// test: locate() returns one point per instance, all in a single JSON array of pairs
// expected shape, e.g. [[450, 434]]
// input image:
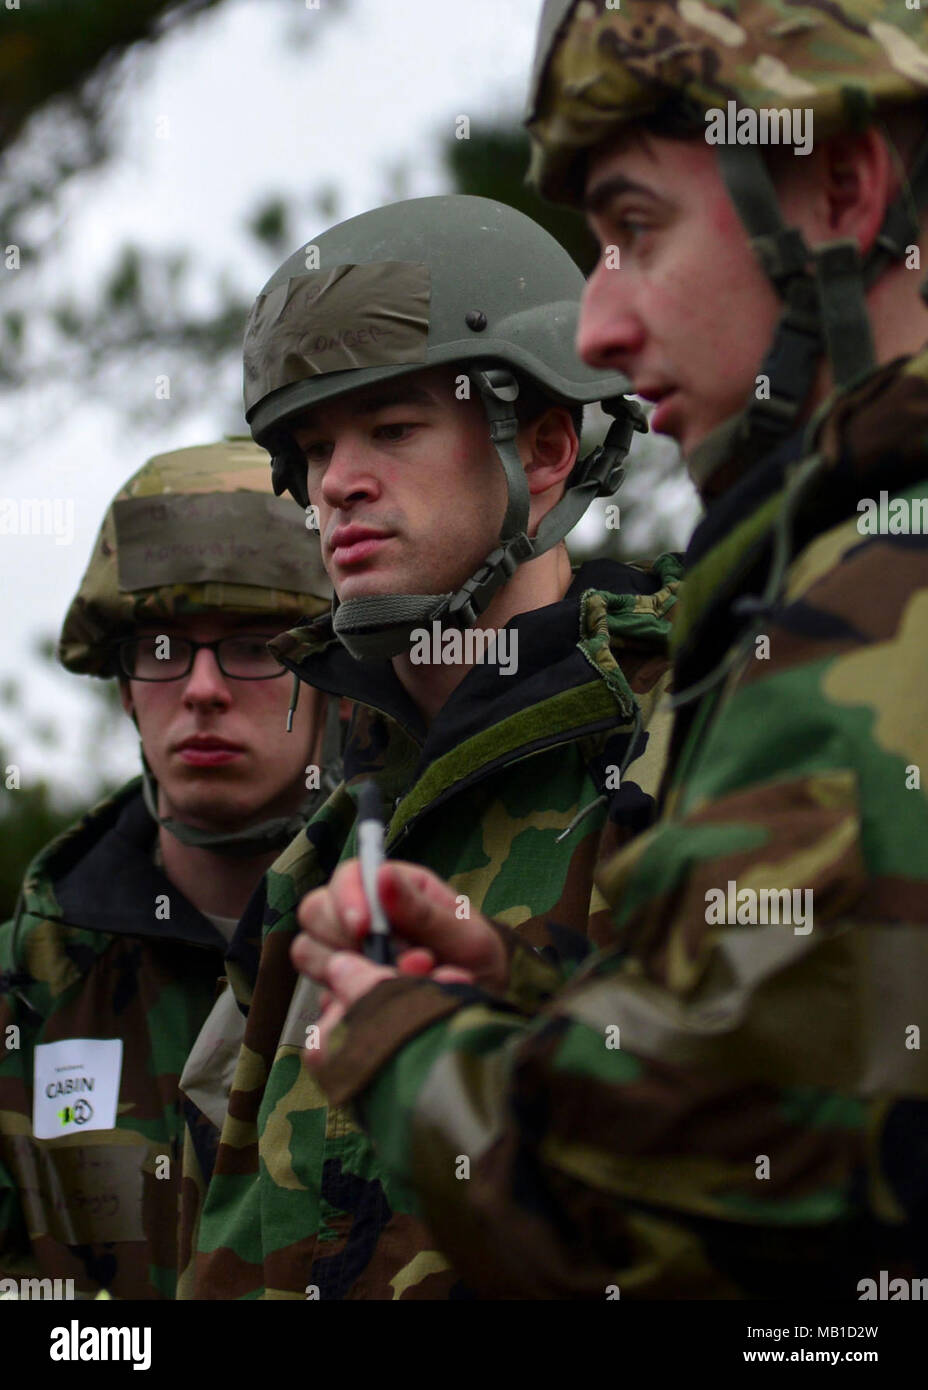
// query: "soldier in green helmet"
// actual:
[[729, 1099], [109, 968], [412, 373]]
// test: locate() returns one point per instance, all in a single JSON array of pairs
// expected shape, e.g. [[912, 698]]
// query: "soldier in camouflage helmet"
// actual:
[[121, 926], [729, 1099], [417, 387]]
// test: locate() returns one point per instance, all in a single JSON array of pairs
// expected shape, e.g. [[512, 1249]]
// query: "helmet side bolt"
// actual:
[[476, 319]]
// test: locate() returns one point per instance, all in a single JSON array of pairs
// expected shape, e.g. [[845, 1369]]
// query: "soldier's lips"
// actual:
[[355, 551], [662, 412], [209, 754]]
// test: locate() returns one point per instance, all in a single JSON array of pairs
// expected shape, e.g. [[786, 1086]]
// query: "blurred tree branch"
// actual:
[[57, 60], [137, 322], [48, 51], [171, 313], [152, 313]]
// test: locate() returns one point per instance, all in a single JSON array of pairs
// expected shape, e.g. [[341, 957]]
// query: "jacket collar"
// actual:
[[99, 876], [568, 682], [314, 653]]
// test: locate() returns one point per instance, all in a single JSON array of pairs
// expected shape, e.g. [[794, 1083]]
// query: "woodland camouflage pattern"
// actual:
[[79, 964], [297, 1199], [604, 68], [633, 1158], [89, 955]]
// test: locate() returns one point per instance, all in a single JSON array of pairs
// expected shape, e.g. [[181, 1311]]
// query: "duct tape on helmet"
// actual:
[[194, 530], [335, 320]]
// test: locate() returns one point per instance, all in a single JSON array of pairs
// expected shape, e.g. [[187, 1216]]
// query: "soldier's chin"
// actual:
[[372, 583], [213, 809]]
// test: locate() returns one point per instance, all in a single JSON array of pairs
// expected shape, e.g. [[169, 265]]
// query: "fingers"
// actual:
[[337, 915], [309, 956], [418, 961], [426, 919], [350, 976], [453, 975], [427, 911]]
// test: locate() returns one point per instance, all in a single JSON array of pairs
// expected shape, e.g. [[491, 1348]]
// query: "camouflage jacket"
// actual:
[[730, 1099], [297, 1204], [93, 954]]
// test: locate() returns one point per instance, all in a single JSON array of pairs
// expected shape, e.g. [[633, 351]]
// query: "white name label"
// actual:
[[76, 1086]]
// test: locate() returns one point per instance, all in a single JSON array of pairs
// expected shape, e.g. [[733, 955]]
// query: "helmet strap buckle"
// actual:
[[499, 391], [475, 594], [604, 466]]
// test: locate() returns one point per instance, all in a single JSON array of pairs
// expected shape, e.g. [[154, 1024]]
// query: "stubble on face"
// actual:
[[687, 314], [437, 496]]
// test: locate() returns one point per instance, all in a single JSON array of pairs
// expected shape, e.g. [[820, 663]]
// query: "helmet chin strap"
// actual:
[[824, 308], [272, 834], [379, 627]]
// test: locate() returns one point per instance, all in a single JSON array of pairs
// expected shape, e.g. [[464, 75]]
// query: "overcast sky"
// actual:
[[261, 97]]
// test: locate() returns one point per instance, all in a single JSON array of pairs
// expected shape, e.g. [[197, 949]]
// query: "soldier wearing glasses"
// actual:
[[123, 921]]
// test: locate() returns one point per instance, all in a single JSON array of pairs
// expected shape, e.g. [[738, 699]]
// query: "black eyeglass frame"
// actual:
[[121, 644]]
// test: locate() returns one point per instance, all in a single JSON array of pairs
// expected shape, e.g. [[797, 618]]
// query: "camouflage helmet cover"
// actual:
[[599, 68], [193, 530]]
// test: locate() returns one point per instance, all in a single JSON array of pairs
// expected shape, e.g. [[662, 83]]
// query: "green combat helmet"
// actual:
[[196, 530], [602, 67], [417, 284]]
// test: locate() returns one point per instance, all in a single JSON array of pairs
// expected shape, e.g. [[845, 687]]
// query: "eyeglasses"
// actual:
[[164, 657]]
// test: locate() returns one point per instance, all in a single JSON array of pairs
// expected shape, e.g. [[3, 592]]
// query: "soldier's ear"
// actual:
[[858, 185], [549, 448]]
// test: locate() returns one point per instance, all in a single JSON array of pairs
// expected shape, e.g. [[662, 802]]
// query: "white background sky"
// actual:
[[259, 98]]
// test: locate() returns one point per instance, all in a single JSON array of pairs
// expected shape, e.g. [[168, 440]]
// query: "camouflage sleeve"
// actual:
[[16, 1257], [12, 1226], [730, 1103], [532, 978]]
